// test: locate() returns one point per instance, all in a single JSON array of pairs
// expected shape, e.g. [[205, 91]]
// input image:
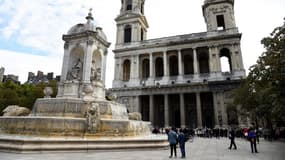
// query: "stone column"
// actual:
[[103, 73], [211, 60], [151, 109], [120, 73], [166, 111], [180, 63], [137, 104], [165, 65], [217, 61], [224, 110], [182, 110], [135, 67], [87, 62], [195, 60], [216, 108], [65, 66], [199, 111], [151, 66]]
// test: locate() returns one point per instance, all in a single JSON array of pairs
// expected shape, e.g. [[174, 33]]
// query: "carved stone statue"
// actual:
[[135, 116], [15, 110], [98, 74], [93, 117], [95, 72], [75, 71]]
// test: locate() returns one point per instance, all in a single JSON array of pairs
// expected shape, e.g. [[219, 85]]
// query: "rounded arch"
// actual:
[[225, 60], [145, 68], [126, 70], [75, 63], [173, 65], [97, 57], [97, 65], [159, 67]]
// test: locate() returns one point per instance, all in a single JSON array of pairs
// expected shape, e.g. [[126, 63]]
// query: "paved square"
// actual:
[[200, 149]]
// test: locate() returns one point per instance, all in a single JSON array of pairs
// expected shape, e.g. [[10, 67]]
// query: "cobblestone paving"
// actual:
[[200, 149]]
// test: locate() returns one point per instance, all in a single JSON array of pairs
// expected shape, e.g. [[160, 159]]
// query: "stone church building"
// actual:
[[178, 80]]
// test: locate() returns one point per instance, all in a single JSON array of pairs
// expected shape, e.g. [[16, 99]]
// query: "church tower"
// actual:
[[219, 15], [131, 22]]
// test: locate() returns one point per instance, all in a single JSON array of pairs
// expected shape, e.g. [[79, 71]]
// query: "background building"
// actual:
[[11, 77], [2, 70], [180, 80], [40, 77]]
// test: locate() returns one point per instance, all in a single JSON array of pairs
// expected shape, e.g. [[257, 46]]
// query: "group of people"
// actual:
[[175, 138], [251, 136], [180, 136]]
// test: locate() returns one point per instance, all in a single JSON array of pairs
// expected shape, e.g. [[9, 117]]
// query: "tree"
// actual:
[[262, 94], [23, 95]]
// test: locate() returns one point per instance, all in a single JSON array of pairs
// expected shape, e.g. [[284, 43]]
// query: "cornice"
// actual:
[[85, 34]]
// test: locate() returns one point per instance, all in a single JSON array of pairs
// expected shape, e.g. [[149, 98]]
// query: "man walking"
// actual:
[[172, 139], [232, 136]]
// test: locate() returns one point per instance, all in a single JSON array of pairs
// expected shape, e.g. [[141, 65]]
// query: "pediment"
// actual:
[[127, 16]]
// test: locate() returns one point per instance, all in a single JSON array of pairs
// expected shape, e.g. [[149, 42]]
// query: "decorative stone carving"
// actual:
[[66, 45], [74, 74], [48, 91], [93, 118], [87, 91], [135, 116], [111, 96], [15, 110]]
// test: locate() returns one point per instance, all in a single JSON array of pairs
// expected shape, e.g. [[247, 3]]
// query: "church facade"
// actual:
[[179, 80]]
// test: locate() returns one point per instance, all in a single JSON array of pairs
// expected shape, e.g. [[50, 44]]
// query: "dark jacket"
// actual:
[[232, 134], [181, 138], [172, 137]]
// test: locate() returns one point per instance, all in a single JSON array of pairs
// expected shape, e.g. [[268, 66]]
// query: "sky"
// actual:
[[31, 30]]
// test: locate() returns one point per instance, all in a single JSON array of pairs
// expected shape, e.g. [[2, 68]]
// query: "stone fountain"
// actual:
[[79, 118]]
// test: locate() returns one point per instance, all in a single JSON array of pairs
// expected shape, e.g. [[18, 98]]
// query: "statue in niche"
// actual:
[[93, 117], [74, 74], [95, 72]]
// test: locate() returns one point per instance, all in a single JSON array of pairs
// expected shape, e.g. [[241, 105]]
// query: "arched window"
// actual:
[[127, 34], [173, 65], [129, 5], [203, 62], [126, 70], [225, 59], [145, 68], [158, 67], [188, 64]]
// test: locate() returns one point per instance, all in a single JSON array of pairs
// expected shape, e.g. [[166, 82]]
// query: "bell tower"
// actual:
[[219, 15], [131, 22]]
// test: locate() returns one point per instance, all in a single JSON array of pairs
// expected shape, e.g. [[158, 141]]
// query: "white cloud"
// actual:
[[21, 63]]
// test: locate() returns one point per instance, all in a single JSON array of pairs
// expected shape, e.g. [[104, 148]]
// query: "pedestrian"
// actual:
[[172, 139], [181, 141], [252, 139], [232, 136]]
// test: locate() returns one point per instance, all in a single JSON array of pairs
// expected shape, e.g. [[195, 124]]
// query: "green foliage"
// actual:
[[262, 93], [22, 95]]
